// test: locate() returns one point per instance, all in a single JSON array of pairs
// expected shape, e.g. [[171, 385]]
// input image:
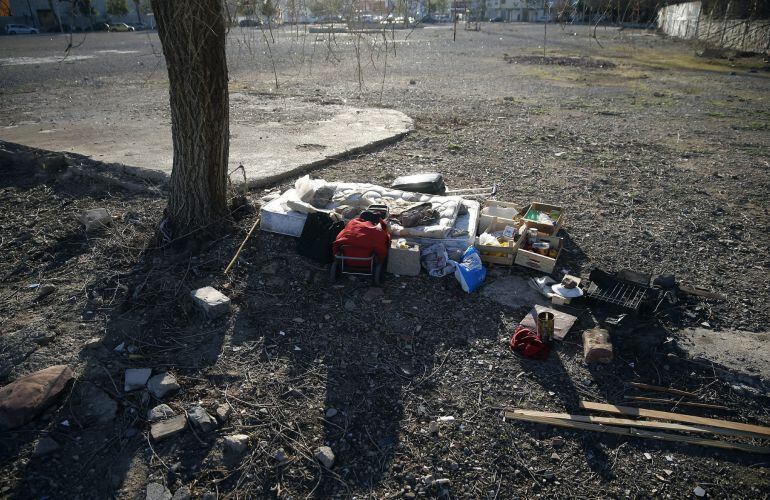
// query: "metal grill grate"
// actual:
[[611, 290]]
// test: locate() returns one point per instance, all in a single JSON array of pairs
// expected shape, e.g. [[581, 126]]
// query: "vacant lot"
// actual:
[[661, 156]]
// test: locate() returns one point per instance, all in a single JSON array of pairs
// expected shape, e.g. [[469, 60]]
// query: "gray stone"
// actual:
[[25, 398], [201, 419], [162, 384], [157, 491], [96, 218], [280, 456], [160, 412], [211, 301], [237, 443], [223, 412], [45, 446], [349, 305], [325, 456], [136, 378], [182, 493], [167, 428], [331, 413]]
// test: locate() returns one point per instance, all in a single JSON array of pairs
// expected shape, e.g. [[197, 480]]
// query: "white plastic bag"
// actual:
[[436, 261]]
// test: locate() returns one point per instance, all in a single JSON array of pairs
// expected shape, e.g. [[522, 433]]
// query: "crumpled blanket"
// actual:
[[528, 344]]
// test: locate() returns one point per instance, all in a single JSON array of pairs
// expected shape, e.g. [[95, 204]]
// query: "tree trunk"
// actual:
[[193, 38]]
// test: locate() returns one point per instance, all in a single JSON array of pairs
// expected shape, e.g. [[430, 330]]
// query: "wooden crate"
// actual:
[[503, 256], [545, 228], [498, 210], [536, 261]]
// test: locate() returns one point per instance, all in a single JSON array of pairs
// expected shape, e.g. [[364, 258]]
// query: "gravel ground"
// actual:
[[661, 159]]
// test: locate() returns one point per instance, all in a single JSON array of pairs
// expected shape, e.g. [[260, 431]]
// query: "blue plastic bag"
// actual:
[[470, 272]]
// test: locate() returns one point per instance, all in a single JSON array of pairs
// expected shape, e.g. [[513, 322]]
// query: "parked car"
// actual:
[[100, 27], [498, 19], [121, 27], [20, 29], [248, 23], [138, 26]]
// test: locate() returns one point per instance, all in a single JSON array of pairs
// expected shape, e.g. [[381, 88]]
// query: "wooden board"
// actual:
[[675, 402], [656, 388], [759, 430], [626, 431], [645, 424], [562, 322]]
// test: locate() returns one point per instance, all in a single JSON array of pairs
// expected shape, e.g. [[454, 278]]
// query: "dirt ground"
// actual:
[[661, 158]]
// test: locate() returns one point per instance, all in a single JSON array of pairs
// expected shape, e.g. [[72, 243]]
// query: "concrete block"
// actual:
[[136, 378], [96, 218], [597, 347], [167, 428], [237, 443], [213, 302]]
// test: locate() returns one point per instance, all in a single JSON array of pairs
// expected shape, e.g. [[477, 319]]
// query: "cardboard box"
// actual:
[[404, 261], [541, 227], [536, 261], [491, 254], [499, 210]]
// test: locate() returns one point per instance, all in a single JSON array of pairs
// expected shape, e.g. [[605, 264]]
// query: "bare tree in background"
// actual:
[[193, 38]]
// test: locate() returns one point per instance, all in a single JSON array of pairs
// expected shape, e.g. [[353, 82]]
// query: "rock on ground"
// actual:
[[223, 412], [25, 398], [168, 428], [160, 412], [157, 491], [95, 405], [45, 446], [182, 493], [201, 419], [162, 384], [325, 456], [96, 218], [237, 443], [211, 301], [136, 378]]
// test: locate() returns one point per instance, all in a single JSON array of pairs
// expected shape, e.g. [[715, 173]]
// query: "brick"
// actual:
[[597, 347], [168, 428]]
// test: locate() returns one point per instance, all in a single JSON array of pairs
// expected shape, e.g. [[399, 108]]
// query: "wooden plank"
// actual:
[[759, 430], [645, 424], [656, 388], [627, 431], [679, 403]]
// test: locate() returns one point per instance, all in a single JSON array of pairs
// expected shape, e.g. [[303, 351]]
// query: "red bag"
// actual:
[[361, 238]]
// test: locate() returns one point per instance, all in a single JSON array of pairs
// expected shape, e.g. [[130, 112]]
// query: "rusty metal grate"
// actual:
[[618, 292]]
